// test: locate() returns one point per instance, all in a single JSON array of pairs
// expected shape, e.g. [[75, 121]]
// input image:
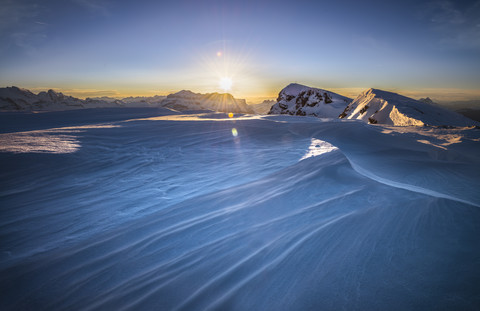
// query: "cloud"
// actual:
[[14, 14], [458, 26], [21, 25], [83, 93], [100, 7], [441, 94], [28, 41]]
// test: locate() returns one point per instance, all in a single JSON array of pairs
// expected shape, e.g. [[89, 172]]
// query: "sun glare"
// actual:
[[225, 84], [224, 70]]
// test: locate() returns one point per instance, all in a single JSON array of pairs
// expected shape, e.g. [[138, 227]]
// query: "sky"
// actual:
[[88, 48]]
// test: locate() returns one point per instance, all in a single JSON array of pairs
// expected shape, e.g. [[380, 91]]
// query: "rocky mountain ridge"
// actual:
[[300, 100]]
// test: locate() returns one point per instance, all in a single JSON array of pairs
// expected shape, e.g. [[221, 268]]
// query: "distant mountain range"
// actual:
[[17, 99]]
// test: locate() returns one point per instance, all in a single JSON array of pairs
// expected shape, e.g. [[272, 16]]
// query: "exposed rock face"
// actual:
[[300, 100], [187, 100], [381, 107]]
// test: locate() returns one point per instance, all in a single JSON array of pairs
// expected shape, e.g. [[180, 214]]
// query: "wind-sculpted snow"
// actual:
[[292, 213]]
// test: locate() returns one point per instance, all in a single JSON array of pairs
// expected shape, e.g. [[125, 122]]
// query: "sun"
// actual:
[[226, 84]]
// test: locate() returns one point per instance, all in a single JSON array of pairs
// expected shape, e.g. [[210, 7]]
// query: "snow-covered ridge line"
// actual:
[[319, 147], [404, 186], [381, 107]]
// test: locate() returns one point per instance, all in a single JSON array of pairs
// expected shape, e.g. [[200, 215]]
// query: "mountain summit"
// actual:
[[301, 100], [382, 107]]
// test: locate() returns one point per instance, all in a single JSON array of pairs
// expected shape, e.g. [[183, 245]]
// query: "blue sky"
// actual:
[[117, 48]]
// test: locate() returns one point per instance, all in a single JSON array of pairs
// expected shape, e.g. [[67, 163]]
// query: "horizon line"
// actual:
[[446, 95]]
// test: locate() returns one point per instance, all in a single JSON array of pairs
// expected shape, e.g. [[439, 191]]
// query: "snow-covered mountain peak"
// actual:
[[183, 93], [14, 91], [52, 95], [295, 89], [380, 93], [383, 107], [297, 99]]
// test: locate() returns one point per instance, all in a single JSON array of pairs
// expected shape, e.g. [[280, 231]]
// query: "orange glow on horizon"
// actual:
[[252, 95]]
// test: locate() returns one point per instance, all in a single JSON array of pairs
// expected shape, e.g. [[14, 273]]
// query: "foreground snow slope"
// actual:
[[205, 212], [301, 100], [382, 107]]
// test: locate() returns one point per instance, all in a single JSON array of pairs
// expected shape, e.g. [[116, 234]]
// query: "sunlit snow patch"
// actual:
[[200, 117], [318, 147], [56, 140], [438, 137]]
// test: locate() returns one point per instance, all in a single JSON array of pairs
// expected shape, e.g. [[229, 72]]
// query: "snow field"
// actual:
[[293, 213]]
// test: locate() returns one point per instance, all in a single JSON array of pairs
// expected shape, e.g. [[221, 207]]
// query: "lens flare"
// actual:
[[234, 132]]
